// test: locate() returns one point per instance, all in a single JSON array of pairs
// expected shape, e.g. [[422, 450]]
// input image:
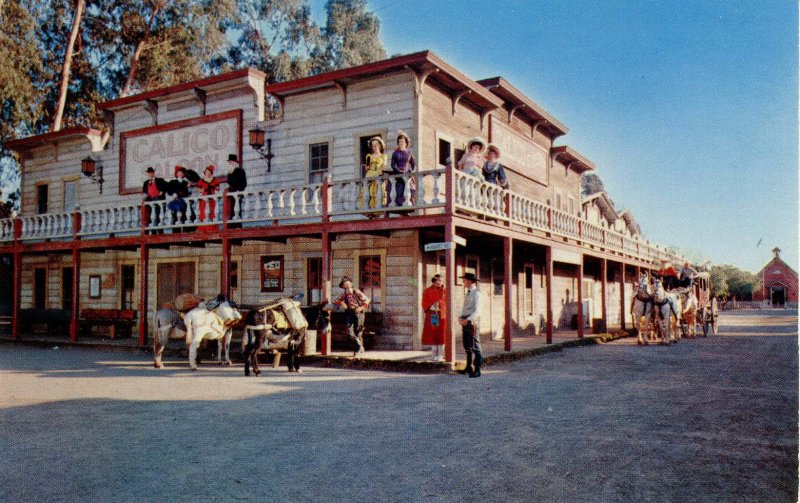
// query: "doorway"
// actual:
[[173, 279], [66, 288], [778, 296], [39, 288], [314, 280]]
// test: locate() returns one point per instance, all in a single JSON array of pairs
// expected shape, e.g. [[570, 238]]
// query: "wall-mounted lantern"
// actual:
[[258, 140], [95, 173]]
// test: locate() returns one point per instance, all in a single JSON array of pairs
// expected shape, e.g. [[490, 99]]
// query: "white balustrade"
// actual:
[[592, 233], [276, 204], [528, 212], [408, 191], [614, 240], [117, 220], [476, 196], [46, 226], [565, 224], [6, 230]]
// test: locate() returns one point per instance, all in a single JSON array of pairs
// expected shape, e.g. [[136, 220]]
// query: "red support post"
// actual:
[[548, 258], [622, 296], [327, 283], [449, 190], [144, 262], [603, 280], [508, 328], [76, 297], [507, 209], [226, 266], [579, 297], [449, 295], [326, 193]]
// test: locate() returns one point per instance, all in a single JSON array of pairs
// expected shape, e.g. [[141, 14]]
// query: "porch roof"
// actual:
[[603, 202], [77, 132], [427, 67], [571, 158], [519, 103]]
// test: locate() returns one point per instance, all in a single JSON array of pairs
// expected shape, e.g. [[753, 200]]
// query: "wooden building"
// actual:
[[304, 221], [777, 282]]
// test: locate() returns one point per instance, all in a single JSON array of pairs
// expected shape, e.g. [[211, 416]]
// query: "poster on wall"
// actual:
[[519, 153], [272, 273], [192, 143]]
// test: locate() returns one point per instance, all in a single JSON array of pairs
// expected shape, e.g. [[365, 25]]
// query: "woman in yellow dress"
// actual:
[[375, 165]]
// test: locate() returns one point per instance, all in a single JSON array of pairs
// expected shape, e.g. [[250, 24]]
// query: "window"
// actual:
[[127, 275], [558, 201], [571, 205], [70, 195], [445, 152], [369, 268], [314, 280], [527, 300], [317, 161], [41, 198], [39, 288]]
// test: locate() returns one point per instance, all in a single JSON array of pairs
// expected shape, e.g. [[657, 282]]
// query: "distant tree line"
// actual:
[[729, 281], [59, 58]]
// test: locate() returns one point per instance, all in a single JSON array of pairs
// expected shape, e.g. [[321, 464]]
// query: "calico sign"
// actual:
[[193, 144]]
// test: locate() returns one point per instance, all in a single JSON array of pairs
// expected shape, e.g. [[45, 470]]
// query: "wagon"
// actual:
[[707, 311]]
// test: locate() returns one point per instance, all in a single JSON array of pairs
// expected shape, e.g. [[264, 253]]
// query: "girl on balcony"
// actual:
[[375, 165], [179, 189], [471, 162], [493, 171], [403, 163], [208, 187]]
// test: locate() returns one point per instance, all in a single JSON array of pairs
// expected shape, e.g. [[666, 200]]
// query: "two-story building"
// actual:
[[304, 221]]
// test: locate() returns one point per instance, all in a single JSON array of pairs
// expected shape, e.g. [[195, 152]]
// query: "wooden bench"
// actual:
[[121, 321], [373, 328], [55, 321]]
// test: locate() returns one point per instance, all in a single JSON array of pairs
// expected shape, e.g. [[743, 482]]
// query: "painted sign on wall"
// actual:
[[272, 273], [193, 144], [519, 153]]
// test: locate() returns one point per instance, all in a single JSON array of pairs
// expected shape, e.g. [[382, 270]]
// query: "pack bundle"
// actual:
[[185, 302]]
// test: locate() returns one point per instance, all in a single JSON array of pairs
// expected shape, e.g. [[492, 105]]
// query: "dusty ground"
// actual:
[[711, 420]]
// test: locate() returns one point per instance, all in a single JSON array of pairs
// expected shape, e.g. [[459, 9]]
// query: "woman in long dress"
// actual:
[[433, 303]]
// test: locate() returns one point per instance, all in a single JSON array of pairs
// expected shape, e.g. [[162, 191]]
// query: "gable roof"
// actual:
[[603, 202], [776, 261]]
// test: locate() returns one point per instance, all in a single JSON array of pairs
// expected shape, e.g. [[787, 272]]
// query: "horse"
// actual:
[[689, 314], [267, 328], [213, 321], [667, 307], [642, 307]]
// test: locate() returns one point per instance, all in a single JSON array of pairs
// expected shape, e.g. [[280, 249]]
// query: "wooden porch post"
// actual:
[[580, 298], [622, 296], [144, 262], [508, 328], [16, 294], [548, 268], [325, 340], [226, 265], [603, 280], [449, 294], [76, 297]]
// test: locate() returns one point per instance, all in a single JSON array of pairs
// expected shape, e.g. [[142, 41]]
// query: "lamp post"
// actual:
[[258, 140], [95, 173]]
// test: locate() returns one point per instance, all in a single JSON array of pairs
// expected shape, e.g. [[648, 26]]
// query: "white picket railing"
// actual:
[[592, 233], [475, 196], [199, 211], [528, 212], [276, 204], [117, 220], [47, 226], [386, 193], [565, 224], [6, 230]]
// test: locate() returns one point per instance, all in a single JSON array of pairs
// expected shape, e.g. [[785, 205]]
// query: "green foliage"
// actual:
[[591, 184], [729, 280]]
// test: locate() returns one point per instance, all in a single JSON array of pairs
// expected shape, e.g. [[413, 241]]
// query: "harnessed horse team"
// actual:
[[673, 313]]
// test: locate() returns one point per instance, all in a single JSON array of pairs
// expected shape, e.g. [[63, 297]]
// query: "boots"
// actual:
[[468, 369], [478, 362]]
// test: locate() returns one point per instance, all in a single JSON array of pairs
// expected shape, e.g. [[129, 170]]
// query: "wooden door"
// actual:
[[66, 288], [39, 288], [314, 280], [174, 278]]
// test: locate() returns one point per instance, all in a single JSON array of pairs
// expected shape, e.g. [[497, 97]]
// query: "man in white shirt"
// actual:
[[470, 323]]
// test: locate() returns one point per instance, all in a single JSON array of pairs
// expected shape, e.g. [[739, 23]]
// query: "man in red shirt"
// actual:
[[154, 189]]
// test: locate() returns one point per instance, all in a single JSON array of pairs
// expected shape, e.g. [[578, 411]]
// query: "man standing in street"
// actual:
[[355, 305], [470, 326]]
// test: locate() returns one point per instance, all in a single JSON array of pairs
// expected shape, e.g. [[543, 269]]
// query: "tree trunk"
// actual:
[[67, 66], [137, 52]]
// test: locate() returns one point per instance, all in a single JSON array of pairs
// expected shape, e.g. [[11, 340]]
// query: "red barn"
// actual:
[[777, 282]]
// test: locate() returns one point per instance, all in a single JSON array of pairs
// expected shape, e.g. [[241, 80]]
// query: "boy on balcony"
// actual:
[[179, 189]]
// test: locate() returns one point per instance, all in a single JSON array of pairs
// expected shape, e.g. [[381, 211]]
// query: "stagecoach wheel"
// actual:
[[704, 322]]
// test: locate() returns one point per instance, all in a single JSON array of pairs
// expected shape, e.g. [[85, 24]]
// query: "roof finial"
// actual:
[[777, 252]]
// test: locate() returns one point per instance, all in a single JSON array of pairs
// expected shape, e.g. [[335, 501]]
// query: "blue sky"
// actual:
[[689, 109]]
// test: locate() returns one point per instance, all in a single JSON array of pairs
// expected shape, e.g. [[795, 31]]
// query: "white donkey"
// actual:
[[667, 306], [689, 314], [200, 323], [642, 309]]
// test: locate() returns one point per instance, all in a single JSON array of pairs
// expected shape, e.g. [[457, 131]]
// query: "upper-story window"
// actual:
[[70, 195], [318, 161], [558, 201], [42, 193], [571, 205]]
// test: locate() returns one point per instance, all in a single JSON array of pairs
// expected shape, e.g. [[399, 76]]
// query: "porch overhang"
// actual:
[[94, 137], [571, 159], [518, 103]]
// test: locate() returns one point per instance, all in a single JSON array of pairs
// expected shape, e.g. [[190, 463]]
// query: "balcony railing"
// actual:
[[388, 195]]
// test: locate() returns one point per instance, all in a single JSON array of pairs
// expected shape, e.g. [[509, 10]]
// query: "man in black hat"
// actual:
[[470, 326], [237, 182], [154, 189], [355, 305]]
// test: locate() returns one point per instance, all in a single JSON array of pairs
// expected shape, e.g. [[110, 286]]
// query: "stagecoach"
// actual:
[[707, 310]]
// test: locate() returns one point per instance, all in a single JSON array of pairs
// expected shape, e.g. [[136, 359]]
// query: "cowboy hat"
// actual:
[[493, 148], [149, 170], [478, 140], [470, 276], [379, 140], [403, 134], [233, 158], [344, 279]]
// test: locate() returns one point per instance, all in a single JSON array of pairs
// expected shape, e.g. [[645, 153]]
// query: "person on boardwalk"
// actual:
[[493, 171], [154, 189], [355, 303], [433, 304], [470, 326], [402, 163], [208, 186], [375, 165], [471, 162], [237, 182]]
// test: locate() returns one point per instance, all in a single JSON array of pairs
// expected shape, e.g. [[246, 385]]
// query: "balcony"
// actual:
[[423, 194]]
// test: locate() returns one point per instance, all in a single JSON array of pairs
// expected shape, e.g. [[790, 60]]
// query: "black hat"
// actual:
[[470, 276], [345, 278], [233, 157], [149, 170]]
